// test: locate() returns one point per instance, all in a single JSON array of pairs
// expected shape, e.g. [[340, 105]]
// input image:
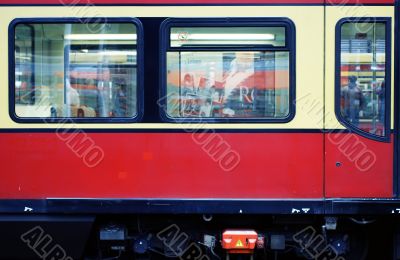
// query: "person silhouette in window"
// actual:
[[380, 92], [120, 99], [353, 101]]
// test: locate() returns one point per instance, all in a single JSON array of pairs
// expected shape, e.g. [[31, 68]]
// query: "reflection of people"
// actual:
[[188, 84], [80, 113], [120, 100], [354, 101], [101, 104], [189, 96], [380, 91], [205, 110], [72, 99], [72, 95]]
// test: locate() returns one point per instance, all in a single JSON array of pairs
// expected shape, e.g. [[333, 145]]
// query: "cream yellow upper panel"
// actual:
[[309, 54]]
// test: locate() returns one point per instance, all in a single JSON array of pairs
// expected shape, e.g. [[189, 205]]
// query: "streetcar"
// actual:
[[199, 129]]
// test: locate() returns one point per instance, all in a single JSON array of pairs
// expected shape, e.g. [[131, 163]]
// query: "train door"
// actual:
[[358, 87]]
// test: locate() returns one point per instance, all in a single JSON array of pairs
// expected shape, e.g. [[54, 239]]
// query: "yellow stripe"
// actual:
[[309, 22], [309, 52]]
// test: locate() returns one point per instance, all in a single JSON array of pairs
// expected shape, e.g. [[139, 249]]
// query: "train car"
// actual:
[[199, 129]]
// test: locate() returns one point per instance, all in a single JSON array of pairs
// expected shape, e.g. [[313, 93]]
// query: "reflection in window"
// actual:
[[227, 84], [362, 76], [24, 65], [78, 72]]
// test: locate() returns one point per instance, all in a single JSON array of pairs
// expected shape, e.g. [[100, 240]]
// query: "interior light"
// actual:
[[97, 37], [118, 53], [223, 37]]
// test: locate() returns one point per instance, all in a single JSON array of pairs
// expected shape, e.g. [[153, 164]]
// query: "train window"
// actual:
[[241, 70], [363, 76], [70, 68]]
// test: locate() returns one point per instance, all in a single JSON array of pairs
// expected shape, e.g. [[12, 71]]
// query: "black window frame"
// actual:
[[95, 120], [290, 47], [388, 75]]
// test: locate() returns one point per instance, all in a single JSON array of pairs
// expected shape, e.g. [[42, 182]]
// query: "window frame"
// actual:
[[140, 70], [290, 47], [388, 59]]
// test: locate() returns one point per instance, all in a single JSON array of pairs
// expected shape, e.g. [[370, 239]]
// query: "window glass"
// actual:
[[203, 36], [227, 80], [75, 70], [362, 76], [228, 84], [24, 65]]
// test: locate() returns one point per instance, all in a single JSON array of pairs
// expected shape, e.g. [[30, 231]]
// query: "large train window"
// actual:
[[363, 76], [228, 70], [84, 70]]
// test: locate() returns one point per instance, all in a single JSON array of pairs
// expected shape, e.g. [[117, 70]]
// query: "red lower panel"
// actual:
[[358, 167], [170, 165], [173, 165]]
